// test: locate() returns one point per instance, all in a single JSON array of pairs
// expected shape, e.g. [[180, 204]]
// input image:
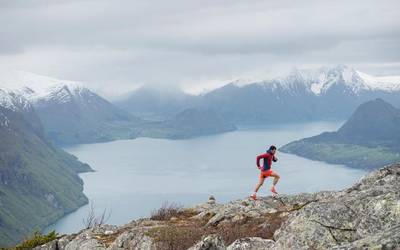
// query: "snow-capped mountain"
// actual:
[[14, 106], [302, 95], [41, 89], [69, 111], [319, 81]]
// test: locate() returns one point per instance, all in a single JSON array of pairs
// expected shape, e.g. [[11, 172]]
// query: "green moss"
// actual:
[[36, 240]]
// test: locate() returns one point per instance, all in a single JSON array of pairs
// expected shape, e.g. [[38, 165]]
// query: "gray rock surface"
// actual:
[[370, 207], [84, 241], [211, 242], [52, 245], [133, 240], [251, 243]]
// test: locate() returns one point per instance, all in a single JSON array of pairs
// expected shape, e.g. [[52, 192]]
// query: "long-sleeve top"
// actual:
[[268, 159]]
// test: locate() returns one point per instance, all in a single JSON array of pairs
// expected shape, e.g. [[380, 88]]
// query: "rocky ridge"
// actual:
[[364, 216]]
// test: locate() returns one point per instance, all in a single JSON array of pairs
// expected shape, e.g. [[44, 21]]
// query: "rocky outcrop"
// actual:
[[360, 213], [364, 216], [251, 243], [211, 242]]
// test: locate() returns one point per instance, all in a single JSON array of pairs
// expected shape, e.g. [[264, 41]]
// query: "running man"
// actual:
[[266, 170]]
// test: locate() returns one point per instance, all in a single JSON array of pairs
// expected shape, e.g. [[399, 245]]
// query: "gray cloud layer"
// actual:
[[194, 44]]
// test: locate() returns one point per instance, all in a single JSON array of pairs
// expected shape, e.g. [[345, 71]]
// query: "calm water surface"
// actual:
[[133, 177]]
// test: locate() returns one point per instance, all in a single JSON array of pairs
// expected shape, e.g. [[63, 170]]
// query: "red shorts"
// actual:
[[265, 174]]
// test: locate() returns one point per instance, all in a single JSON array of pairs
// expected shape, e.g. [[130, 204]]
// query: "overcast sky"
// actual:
[[115, 46]]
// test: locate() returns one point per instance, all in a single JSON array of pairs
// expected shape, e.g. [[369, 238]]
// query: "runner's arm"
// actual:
[[259, 157]]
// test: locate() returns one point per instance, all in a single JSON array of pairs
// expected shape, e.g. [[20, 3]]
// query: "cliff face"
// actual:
[[364, 216], [38, 182]]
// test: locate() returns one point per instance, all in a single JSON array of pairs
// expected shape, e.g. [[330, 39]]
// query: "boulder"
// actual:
[[211, 242], [251, 243]]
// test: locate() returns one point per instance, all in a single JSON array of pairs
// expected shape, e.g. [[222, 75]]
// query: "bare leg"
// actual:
[[259, 184], [276, 178]]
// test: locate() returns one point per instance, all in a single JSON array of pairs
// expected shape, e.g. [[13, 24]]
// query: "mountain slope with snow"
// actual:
[[328, 93], [70, 112], [303, 95], [13, 101], [319, 81]]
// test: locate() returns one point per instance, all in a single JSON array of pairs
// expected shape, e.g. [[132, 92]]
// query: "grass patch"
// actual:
[[36, 240], [108, 239], [176, 237], [167, 211], [179, 236]]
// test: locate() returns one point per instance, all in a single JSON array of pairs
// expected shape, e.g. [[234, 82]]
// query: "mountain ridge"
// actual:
[[370, 137], [322, 78], [301, 96], [326, 93], [70, 112]]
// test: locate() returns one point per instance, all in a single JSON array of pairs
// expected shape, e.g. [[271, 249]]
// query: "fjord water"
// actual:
[[134, 177]]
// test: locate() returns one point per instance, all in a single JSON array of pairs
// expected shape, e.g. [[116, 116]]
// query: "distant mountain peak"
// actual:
[[320, 80], [375, 118], [36, 87], [38, 83], [376, 107]]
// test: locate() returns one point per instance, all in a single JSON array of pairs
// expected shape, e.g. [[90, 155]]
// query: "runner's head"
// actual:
[[272, 149]]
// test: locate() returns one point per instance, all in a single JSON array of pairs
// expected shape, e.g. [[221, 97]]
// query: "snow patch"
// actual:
[[385, 83], [36, 87], [6, 100], [316, 88], [13, 101]]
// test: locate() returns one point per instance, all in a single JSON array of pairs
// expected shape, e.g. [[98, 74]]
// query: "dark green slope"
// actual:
[[38, 183], [370, 138], [375, 123]]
